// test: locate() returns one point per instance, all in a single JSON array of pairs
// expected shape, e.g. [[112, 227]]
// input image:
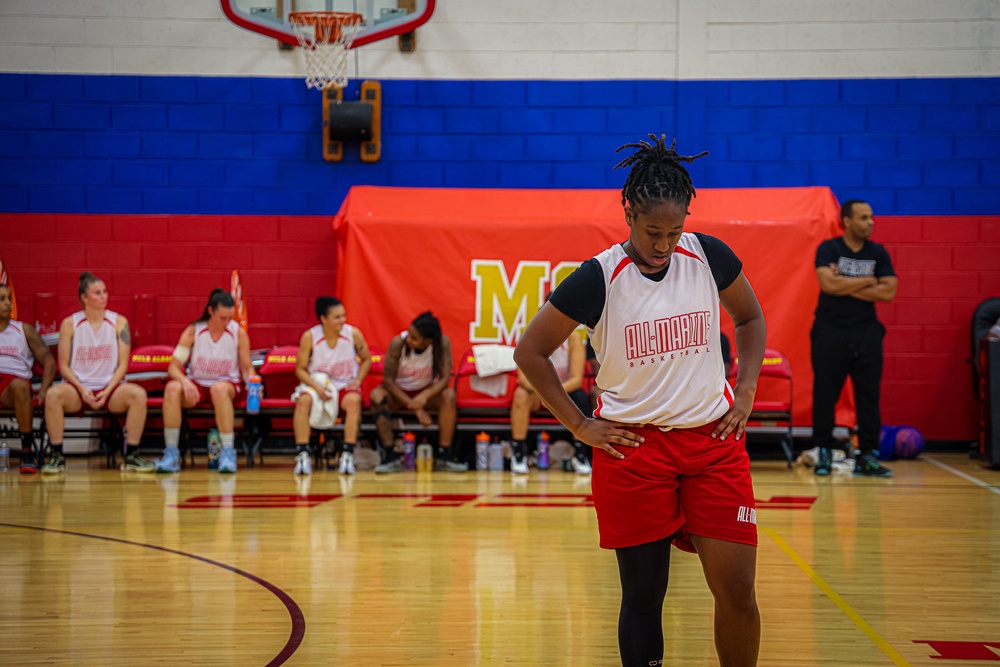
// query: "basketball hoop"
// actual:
[[326, 38]]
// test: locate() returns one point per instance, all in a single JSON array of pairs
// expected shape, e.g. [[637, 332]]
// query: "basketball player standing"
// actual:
[[670, 465]]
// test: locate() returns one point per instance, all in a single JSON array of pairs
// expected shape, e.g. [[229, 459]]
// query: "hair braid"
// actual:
[[656, 174]]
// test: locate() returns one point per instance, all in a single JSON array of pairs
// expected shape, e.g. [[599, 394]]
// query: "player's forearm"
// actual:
[[48, 372]]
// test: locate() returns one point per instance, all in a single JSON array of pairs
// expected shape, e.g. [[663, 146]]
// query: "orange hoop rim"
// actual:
[[326, 18]]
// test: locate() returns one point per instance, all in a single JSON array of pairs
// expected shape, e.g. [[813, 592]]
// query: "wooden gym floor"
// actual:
[[99, 567]]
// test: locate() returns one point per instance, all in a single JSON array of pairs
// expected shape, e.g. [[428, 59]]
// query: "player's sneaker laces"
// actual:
[[867, 465], [56, 464], [580, 466], [518, 464], [227, 460], [396, 465], [138, 464], [171, 461], [444, 465], [347, 464], [303, 464], [824, 462]]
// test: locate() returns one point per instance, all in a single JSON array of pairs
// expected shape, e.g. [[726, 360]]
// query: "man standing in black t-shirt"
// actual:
[[853, 274]]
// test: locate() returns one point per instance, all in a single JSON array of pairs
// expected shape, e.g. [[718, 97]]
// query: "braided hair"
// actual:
[[656, 175], [428, 326]]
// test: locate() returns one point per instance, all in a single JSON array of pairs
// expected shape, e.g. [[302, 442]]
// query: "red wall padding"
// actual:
[[946, 266]]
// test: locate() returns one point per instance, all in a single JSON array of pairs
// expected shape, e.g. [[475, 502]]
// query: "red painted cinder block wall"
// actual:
[[946, 266], [284, 264]]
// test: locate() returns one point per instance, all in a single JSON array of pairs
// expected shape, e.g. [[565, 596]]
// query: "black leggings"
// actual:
[[644, 571]]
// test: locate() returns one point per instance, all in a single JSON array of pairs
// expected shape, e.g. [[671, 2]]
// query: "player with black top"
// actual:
[[669, 463], [854, 273]]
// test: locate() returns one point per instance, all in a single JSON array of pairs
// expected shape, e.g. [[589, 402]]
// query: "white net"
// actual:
[[325, 39]]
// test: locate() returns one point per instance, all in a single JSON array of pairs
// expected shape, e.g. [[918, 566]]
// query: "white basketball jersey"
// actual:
[[94, 357], [416, 369], [339, 362], [560, 359], [15, 356], [656, 342], [215, 360]]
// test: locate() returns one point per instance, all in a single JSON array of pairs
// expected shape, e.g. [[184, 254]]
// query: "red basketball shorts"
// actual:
[[680, 482], [5, 381], [205, 395]]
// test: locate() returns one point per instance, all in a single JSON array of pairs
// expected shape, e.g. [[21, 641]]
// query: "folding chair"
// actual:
[[772, 405]]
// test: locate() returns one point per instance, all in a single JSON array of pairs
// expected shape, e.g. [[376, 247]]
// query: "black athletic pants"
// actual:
[[837, 353]]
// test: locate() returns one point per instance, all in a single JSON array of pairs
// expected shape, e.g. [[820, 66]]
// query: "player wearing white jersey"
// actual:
[[416, 376], [569, 360], [216, 351], [669, 463], [340, 351], [20, 348], [94, 349]]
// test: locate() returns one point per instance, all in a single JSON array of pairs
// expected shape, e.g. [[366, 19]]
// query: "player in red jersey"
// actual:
[[669, 462]]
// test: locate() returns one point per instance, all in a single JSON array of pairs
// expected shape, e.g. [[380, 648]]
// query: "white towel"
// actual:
[[493, 359], [322, 414]]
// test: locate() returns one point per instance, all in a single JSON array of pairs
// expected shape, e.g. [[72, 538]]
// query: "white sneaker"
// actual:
[[303, 464], [171, 461], [347, 463], [580, 467], [518, 466], [227, 460]]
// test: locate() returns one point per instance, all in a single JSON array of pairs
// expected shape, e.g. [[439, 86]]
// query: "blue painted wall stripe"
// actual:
[[146, 144]]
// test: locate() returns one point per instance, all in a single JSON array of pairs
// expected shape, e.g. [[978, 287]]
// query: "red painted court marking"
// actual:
[[431, 499], [786, 503], [541, 500], [962, 650], [256, 501]]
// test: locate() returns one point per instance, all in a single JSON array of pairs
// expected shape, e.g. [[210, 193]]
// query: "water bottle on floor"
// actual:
[[482, 447], [409, 450], [425, 457], [214, 448], [496, 455], [4, 456], [543, 451]]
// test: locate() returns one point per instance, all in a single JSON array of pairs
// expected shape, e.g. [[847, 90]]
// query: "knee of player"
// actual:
[[20, 390], [448, 398]]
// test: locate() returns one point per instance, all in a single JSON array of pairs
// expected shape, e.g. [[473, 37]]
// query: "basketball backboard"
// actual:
[[382, 18]]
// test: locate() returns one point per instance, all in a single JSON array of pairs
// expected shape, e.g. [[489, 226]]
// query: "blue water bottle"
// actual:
[[253, 394], [543, 451]]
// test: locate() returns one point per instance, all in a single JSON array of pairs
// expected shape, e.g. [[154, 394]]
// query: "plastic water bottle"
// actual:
[[4, 456], [543, 451], [496, 455], [482, 451], [253, 394], [425, 457], [214, 448], [409, 450]]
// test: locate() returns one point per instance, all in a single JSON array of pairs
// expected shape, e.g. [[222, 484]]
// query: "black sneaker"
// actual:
[[29, 463], [825, 463], [868, 466]]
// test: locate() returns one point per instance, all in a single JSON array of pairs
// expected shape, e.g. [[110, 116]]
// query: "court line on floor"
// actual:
[[297, 617], [835, 597], [954, 471]]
